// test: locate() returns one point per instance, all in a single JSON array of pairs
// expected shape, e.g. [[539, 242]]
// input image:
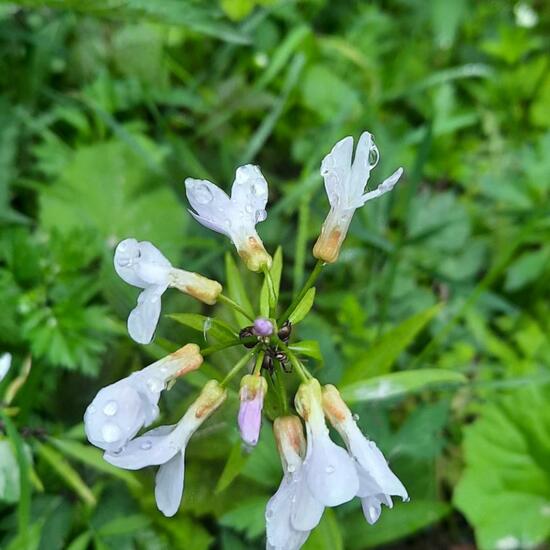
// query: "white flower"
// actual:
[[141, 264], [235, 217], [377, 483], [165, 447], [292, 511], [5, 364], [328, 469], [121, 409], [345, 183]]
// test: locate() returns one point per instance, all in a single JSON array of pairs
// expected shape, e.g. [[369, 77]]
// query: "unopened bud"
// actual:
[[203, 289], [291, 444], [253, 253], [263, 327], [333, 233], [253, 390], [308, 402], [211, 397]]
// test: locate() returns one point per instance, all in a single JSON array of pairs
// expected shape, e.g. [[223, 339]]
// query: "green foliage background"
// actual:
[[106, 106]]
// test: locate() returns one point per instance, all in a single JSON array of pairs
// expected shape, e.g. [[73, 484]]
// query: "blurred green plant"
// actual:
[[106, 106]]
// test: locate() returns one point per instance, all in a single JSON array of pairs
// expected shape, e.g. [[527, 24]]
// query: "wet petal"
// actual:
[[5, 364], [249, 193], [143, 319], [371, 509], [169, 485], [386, 186], [331, 475], [153, 448], [335, 169], [115, 416], [362, 164], [211, 204], [306, 511]]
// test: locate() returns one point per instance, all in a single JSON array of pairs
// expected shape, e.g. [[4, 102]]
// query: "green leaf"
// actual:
[[383, 354], [9, 473], [303, 307], [403, 520], [327, 535], [310, 348], [236, 289], [248, 517], [124, 525], [236, 461], [67, 473], [276, 270], [81, 542], [124, 198], [399, 383], [505, 488], [218, 329], [526, 269], [94, 458]]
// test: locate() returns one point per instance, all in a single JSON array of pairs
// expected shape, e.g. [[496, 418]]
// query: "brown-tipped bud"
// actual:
[[211, 397], [254, 255], [333, 233], [308, 401], [291, 444], [186, 359], [334, 406], [203, 289]]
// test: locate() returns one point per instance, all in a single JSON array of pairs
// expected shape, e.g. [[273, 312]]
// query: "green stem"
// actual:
[[303, 373], [308, 284], [259, 361], [240, 364], [270, 290], [218, 347], [281, 390], [231, 303]]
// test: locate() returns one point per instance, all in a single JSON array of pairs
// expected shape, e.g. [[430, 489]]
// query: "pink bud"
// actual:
[[263, 327], [253, 389]]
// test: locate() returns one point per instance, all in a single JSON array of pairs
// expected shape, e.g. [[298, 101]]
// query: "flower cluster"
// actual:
[[316, 471]]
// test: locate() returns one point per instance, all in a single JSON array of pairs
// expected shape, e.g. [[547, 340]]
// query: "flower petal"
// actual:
[[140, 263], [5, 364], [249, 193], [362, 165], [335, 169], [331, 475], [371, 509], [211, 204], [143, 319], [306, 511], [387, 185], [153, 448], [115, 416], [169, 485]]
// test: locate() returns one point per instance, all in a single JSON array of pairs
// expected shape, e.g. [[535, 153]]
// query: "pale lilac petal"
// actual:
[[250, 419], [220, 226], [210, 203], [115, 416], [335, 169], [143, 319], [153, 448], [140, 263], [249, 193], [306, 511], [371, 509], [5, 364], [331, 475], [169, 485]]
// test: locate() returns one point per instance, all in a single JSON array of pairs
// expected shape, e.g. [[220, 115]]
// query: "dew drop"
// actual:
[[146, 445], [249, 208], [257, 189], [291, 468], [110, 408], [123, 262], [330, 469], [355, 417], [374, 156], [91, 409], [202, 194], [269, 514], [261, 215], [110, 432], [154, 384]]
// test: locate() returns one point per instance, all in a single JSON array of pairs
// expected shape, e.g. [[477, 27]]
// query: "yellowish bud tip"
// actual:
[[289, 434], [188, 358], [308, 398], [251, 384], [211, 397], [334, 406], [200, 287], [254, 255]]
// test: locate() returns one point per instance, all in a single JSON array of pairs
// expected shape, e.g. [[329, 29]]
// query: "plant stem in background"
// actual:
[[231, 303], [308, 284], [239, 365]]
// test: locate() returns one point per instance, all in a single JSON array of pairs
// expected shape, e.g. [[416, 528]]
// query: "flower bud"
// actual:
[[211, 397], [253, 390], [291, 444], [200, 287], [263, 327], [252, 252], [308, 402], [334, 406], [333, 233]]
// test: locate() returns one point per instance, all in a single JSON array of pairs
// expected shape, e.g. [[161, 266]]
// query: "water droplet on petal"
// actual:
[[355, 417], [91, 409], [146, 445], [155, 385], [249, 208], [269, 514], [261, 215], [374, 156], [123, 262], [202, 194], [330, 469], [291, 468], [110, 432], [110, 408], [258, 189]]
